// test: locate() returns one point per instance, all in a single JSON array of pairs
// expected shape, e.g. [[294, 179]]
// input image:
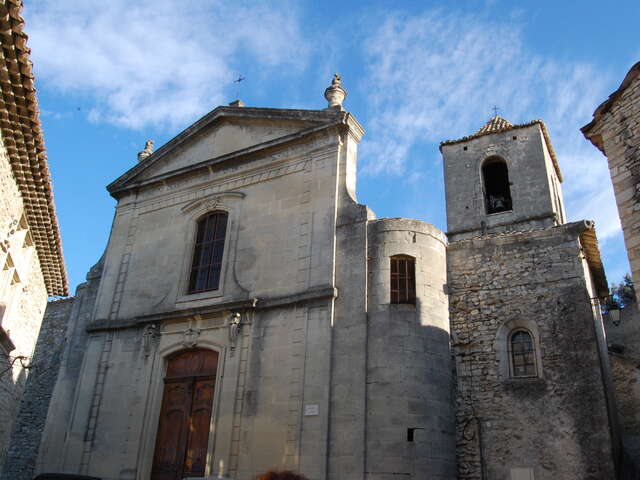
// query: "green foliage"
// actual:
[[622, 294]]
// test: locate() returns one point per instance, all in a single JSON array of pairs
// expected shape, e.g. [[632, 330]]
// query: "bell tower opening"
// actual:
[[497, 192]]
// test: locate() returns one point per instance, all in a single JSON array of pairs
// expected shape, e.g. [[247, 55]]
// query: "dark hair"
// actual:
[[283, 475]]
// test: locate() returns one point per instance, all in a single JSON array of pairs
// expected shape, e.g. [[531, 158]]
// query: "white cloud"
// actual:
[[436, 76], [157, 62]]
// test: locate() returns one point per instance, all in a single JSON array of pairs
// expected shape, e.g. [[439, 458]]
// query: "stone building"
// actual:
[[246, 293], [30, 251], [615, 131], [249, 314], [534, 396]]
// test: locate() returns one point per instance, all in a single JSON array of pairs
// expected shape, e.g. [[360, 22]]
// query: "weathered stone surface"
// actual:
[[31, 417], [535, 182], [318, 370], [23, 297], [623, 339], [297, 388], [557, 422], [615, 130], [409, 375]]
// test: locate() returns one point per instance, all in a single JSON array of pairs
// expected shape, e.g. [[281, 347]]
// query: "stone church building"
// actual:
[[248, 313]]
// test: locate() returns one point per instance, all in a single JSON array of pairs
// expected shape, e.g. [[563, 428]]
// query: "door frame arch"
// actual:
[[154, 394]]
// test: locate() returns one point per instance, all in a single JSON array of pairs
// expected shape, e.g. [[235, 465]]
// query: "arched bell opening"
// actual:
[[497, 190]]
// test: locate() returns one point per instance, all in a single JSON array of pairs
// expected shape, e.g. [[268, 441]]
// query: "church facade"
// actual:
[[249, 313]]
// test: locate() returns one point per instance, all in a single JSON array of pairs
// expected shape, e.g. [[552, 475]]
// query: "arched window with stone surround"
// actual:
[[497, 190], [208, 252], [522, 354]]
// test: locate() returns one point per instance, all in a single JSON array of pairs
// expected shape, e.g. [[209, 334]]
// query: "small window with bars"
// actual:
[[208, 252], [523, 354], [403, 279]]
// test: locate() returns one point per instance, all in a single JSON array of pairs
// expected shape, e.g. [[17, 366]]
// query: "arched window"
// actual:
[[403, 279], [208, 251], [522, 354], [497, 193]]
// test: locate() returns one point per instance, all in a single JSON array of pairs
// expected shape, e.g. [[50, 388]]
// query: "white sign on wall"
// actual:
[[311, 410]]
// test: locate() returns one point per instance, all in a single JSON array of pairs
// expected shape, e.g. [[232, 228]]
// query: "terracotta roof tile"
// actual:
[[24, 143], [495, 124]]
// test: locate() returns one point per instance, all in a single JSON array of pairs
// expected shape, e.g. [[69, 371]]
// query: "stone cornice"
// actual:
[[323, 118], [262, 148], [290, 160], [264, 303]]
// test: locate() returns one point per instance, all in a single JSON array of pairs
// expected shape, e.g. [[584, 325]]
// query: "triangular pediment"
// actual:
[[223, 131]]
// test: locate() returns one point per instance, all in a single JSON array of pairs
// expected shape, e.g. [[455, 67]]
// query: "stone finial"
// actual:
[[148, 150], [335, 94]]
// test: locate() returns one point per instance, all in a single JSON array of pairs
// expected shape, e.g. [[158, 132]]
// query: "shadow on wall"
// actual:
[[622, 328], [11, 389], [410, 402]]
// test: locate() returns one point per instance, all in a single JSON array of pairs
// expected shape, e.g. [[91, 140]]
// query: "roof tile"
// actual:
[[22, 134]]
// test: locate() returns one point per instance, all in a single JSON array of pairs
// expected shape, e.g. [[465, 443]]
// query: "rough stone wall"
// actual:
[[619, 130], [25, 440], [623, 338], [23, 294], [626, 380], [623, 334], [555, 425]]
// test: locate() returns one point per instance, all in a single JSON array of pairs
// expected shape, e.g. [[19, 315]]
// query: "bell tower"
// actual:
[[504, 177]]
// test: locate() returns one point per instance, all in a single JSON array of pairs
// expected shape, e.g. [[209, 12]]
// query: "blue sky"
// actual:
[[111, 75]]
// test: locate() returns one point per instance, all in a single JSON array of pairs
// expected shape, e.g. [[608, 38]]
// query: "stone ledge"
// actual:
[[317, 293]]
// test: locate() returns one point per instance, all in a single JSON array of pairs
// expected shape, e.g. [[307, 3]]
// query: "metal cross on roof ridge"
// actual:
[[495, 110], [238, 80]]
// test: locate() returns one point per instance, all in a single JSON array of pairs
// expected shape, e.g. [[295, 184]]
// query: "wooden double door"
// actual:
[[185, 416]]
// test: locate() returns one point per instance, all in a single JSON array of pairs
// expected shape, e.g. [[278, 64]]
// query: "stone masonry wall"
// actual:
[[410, 407], [623, 338], [555, 425], [25, 440], [531, 177], [619, 129], [23, 295]]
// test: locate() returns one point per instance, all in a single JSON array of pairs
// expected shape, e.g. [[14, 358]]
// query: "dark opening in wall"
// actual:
[[496, 185], [403, 279]]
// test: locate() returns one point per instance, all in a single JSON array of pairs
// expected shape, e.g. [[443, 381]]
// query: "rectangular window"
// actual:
[[403, 279]]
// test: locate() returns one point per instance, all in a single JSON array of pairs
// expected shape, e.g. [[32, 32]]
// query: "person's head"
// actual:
[[283, 475]]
